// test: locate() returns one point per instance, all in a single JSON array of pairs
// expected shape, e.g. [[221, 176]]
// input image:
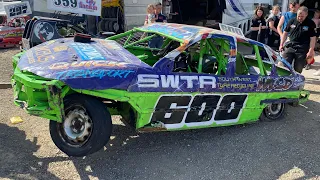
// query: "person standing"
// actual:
[[316, 20], [151, 16], [302, 38], [293, 6], [273, 22], [258, 26], [157, 41], [158, 11]]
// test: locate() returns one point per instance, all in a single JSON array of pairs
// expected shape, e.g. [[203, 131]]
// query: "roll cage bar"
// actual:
[[208, 46]]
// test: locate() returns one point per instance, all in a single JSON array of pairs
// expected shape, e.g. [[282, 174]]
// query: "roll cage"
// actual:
[[205, 53]]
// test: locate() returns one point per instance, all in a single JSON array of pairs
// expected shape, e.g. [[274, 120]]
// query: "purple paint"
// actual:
[[104, 64]]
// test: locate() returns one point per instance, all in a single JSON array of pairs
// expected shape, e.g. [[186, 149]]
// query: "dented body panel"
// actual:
[[161, 98]]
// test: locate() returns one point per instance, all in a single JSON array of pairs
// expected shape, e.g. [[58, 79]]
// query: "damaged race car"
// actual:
[[198, 78], [11, 30]]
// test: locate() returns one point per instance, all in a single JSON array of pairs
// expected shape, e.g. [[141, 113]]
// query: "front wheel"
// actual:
[[274, 111], [86, 128]]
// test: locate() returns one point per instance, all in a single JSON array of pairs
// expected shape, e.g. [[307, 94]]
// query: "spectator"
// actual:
[[273, 22], [293, 6], [157, 41], [302, 38], [258, 26], [151, 17], [158, 10], [316, 21]]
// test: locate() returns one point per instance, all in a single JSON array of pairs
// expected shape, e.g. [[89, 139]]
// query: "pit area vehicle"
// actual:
[[11, 30], [199, 78], [42, 29]]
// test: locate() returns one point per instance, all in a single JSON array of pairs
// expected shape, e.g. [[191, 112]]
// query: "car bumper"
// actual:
[[38, 96], [304, 96]]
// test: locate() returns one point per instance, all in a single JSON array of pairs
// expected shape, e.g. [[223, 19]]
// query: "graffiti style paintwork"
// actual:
[[55, 58], [99, 60], [114, 73], [180, 31], [155, 93]]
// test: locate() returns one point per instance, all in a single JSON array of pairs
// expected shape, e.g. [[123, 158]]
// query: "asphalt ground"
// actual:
[[284, 149]]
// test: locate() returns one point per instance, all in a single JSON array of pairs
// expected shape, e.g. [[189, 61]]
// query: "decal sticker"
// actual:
[[99, 73], [44, 31], [81, 64], [87, 51], [88, 7], [305, 28], [269, 83], [179, 31], [176, 111], [174, 81], [231, 29], [60, 48], [17, 9]]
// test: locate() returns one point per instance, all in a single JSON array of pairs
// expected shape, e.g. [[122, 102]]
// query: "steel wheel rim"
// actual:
[[274, 110], [77, 127]]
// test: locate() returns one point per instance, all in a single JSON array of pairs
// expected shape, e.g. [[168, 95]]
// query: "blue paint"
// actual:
[[98, 73], [95, 77], [193, 82], [87, 51]]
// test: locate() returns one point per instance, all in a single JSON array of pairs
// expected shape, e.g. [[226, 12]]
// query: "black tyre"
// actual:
[[116, 27], [106, 26], [92, 24], [104, 12], [102, 25], [115, 12], [86, 128], [109, 13], [111, 24], [273, 112]]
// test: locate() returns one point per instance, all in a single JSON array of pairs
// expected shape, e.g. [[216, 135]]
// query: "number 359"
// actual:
[[66, 3]]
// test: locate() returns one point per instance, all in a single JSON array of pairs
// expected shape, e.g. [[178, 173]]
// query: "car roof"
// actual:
[[183, 32]]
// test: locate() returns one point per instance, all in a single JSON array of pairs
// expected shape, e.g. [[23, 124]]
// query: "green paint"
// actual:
[[41, 99], [44, 97]]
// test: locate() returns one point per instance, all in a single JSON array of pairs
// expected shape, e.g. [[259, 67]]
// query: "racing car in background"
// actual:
[[11, 30], [199, 78], [42, 29]]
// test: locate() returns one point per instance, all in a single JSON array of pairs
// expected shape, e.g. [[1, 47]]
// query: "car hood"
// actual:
[[100, 64]]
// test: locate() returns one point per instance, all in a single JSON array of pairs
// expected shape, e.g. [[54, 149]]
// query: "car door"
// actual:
[[198, 99]]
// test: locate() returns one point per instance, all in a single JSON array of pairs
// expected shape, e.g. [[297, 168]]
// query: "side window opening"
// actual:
[[248, 63], [208, 56], [137, 43]]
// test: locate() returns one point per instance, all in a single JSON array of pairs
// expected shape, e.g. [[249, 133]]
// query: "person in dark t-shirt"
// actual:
[[258, 26], [273, 22], [302, 38]]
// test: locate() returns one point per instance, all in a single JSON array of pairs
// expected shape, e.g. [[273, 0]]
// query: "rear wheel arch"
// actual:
[[274, 111]]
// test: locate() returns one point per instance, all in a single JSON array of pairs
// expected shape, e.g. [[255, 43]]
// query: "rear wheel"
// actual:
[[86, 128], [274, 111]]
